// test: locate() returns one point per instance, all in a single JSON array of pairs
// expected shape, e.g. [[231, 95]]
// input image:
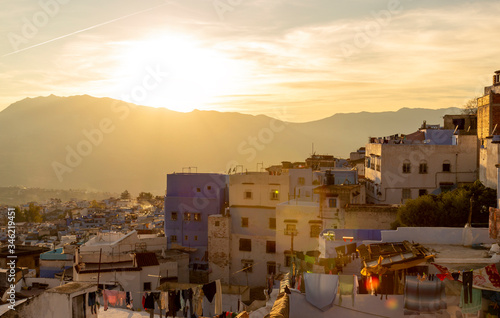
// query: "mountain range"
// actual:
[[102, 144]]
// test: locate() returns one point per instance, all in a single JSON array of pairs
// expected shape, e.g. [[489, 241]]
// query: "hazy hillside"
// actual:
[[82, 142], [22, 195]]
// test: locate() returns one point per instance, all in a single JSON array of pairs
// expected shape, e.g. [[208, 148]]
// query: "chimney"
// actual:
[[496, 78]]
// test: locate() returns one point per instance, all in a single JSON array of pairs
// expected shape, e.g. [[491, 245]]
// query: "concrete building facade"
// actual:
[[253, 198], [401, 169], [190, 199]]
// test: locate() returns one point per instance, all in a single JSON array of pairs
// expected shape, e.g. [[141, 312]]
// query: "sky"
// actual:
[[295, 60]]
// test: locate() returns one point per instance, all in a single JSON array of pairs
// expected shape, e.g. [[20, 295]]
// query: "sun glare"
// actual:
[[188, 75]]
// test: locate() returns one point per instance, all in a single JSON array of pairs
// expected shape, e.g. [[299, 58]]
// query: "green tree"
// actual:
[[448, 209], [125, 195], [422, 211], [145, 196], [33, 214], [20, 217], [97, 205]]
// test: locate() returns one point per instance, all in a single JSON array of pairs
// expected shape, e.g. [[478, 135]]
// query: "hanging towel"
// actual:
[[164, 300], [348, 285], [121, 298], [110, 297], [473, 306], [218, 297], [209, 290], [321, 289]]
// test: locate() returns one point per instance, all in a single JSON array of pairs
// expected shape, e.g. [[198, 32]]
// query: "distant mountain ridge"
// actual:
[[101, 144]]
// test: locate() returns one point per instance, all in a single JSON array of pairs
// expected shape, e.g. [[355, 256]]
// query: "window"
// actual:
[[288, 259], [187, 216], [245, 245], [332, 203], [147, 286], [198, 190], [272, 223], [422, 168], [244, 222], [209, 187], [247, 265], [372, 163], [446, 166], [217, 223], [291, 229], [173, 238], [197, 217], [422, 192], [301, 181], [173, 216], [275, 195], [460, 123], [248, 194], [196, 237], [186, 238], [406, 166], [315, 230], [367, 162], [406, 194], [270, 247], [271, 268]]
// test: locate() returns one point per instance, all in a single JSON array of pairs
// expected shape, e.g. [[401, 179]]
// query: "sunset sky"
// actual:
[[295, 60]]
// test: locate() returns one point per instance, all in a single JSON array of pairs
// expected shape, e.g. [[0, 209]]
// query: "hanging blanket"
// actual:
[[321, 289], [483, 278], [424, 296]]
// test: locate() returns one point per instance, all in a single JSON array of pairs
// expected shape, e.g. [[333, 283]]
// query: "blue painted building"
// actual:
[[189, 200]]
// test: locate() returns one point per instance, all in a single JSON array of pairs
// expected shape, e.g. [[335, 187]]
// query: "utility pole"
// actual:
[[470, 212], [292, 233]]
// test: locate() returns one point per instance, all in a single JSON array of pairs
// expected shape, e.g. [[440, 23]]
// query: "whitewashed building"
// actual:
[[253, 197], [130, 262], [428, 161]]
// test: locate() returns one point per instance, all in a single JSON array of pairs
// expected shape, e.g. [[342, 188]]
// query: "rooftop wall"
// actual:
[[437, 235]]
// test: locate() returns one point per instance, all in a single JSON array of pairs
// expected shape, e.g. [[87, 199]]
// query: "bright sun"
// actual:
[[190, 76]]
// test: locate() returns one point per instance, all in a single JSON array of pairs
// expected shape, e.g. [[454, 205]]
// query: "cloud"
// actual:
[[429, 54]]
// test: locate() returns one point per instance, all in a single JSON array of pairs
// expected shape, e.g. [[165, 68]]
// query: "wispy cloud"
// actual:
[[431, 54]]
